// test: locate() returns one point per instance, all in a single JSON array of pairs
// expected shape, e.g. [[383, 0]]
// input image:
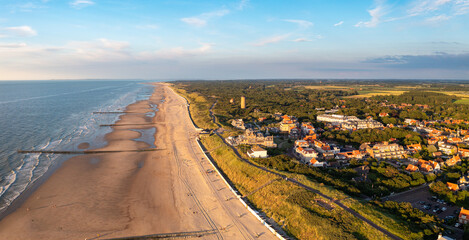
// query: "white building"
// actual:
[[306, 154], [334, 118], [257, 152], [315, 163], [349, 122]]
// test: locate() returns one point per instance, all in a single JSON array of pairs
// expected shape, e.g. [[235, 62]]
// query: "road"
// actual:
[[354, 213]]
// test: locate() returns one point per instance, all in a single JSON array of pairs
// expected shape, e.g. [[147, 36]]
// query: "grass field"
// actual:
[[364, 94], [366, 90], [462, 101]]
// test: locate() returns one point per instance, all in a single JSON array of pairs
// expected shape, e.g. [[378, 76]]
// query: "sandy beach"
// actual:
[[109, 195]]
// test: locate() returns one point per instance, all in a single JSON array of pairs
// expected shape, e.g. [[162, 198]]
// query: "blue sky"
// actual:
[[179, 39]]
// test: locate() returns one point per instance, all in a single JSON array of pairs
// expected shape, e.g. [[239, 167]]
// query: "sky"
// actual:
[[236, 39]]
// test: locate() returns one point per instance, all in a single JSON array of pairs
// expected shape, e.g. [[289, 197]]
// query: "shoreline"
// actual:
[[97, 143], [125, 194]]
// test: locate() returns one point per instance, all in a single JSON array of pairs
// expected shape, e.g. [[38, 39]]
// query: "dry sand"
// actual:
[[129, 194]]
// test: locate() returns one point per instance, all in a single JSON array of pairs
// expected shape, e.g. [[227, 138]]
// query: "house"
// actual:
[[463, 180], [410, 121], [435, 165], [437, 154], [315, 163], [464, 152], [413, 148], [306, 154], [441, 237], [453, 161], [412, 168], [301, 143], [251, 137], [387, 151], [294, 133], [287, 123], [355, 154], [463, 216], [452, 186], [257, 152], [432, 140], [321, 146], [307, 128], [447, 149], [383, 114], [426, 168], [238, 123], [454, 140]]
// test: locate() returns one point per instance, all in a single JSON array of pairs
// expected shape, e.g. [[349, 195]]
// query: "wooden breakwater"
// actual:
[[111, 112], [129, 124], [177, 235], [87, 151]]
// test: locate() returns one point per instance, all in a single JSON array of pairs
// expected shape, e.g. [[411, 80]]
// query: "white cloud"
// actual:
[[12, 45], [461, 7], [177, 52], [196, 22], [376, 14], [219, 13], [302, 40], [148, 26], [301, 23], [339, 23], [436, 19], [242, 4], [269, 40], [425, 6], [202, 19], [20, 31], [99, 50], [81, 3]]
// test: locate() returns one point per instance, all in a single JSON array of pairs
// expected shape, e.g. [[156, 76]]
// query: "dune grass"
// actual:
[[289, 205], [199, 108], [294, 208]]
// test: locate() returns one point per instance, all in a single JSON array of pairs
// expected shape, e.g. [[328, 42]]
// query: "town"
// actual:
[[388, 151]]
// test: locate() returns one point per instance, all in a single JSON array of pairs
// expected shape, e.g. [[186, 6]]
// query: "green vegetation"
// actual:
[[462, 101], [298, 210], [460, 198], [373, 135], [406, 222], [199, 108], [293, 207]]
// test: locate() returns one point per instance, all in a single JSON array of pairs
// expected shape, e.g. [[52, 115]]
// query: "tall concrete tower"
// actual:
[[243, 102]]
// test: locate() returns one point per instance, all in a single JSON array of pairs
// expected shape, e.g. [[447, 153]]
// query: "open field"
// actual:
[[329, 87], [462, 101], [364, 94]]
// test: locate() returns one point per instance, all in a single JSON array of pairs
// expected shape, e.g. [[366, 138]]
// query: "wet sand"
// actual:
[[129, 194]]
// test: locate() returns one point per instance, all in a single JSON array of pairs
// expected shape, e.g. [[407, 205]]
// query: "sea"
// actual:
[[54, 115]]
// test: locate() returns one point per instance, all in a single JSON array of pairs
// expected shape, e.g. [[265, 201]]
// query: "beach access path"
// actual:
[[123, 194]]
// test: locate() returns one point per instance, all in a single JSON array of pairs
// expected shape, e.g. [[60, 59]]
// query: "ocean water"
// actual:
[[54, 115]]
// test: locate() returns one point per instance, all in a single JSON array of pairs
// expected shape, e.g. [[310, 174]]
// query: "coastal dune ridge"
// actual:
[[121, 194]]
